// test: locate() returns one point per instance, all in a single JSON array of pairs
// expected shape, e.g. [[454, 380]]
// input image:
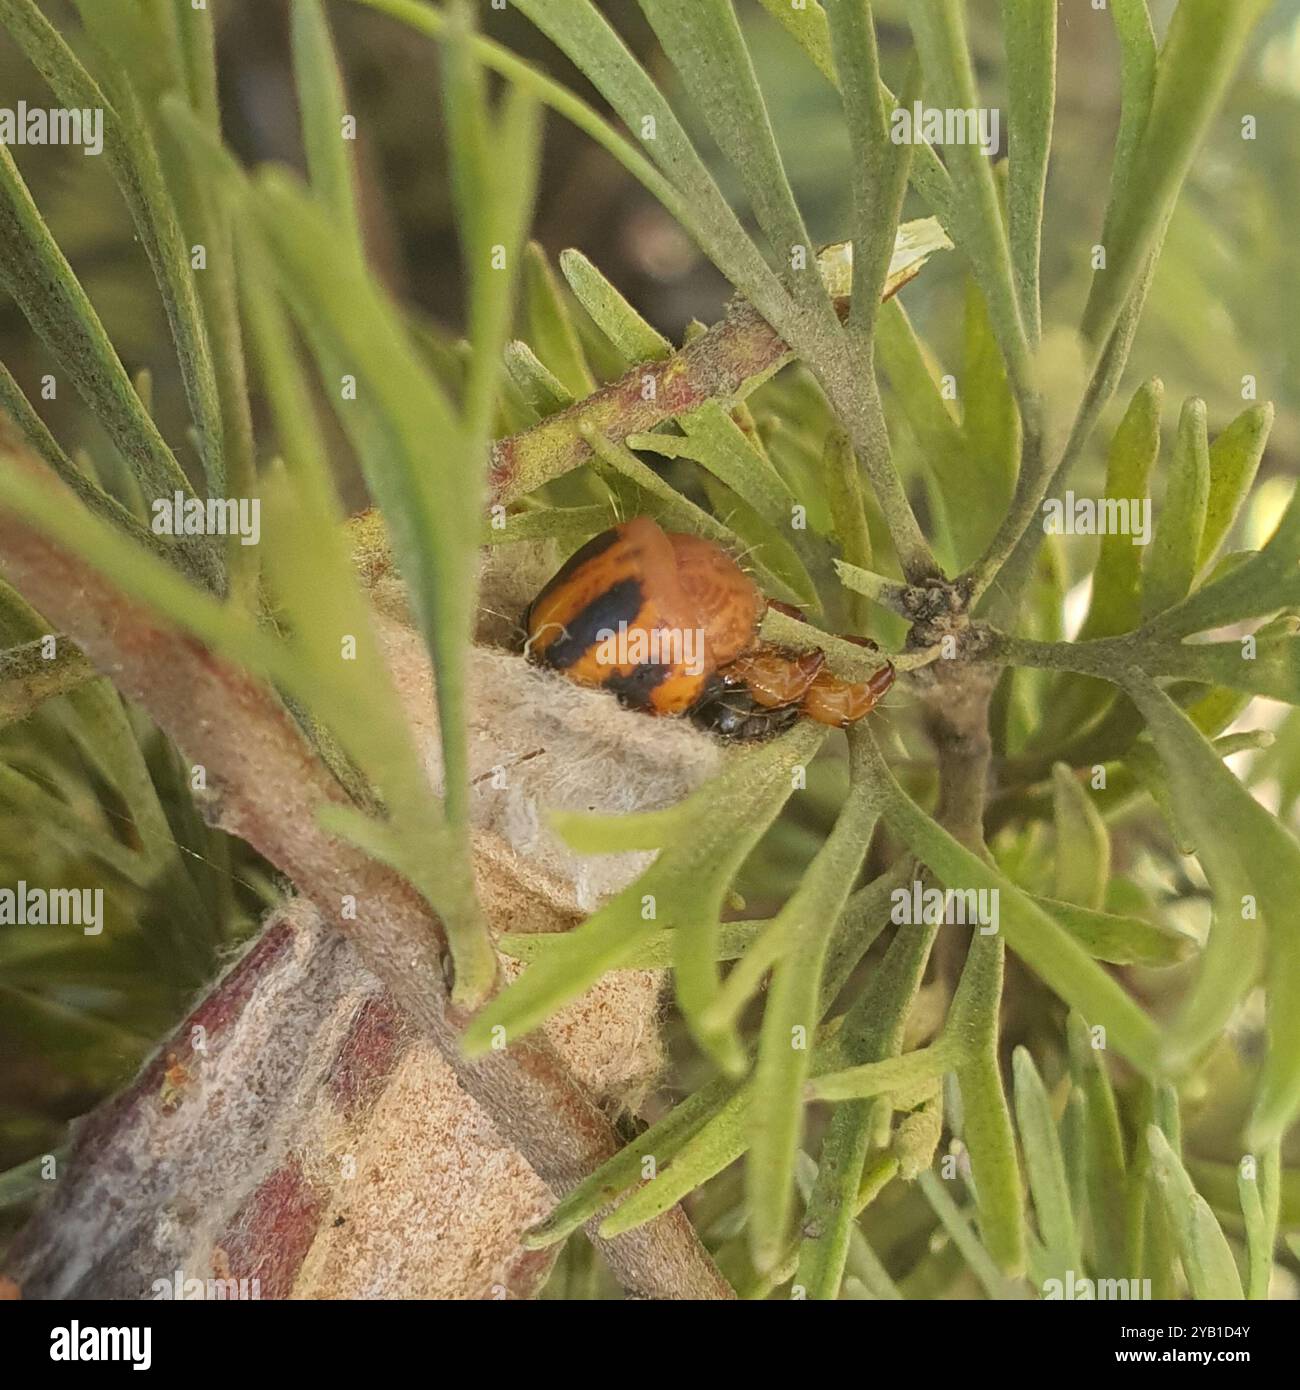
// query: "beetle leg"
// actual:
[[840, 703], [774, 676], [732, 713]]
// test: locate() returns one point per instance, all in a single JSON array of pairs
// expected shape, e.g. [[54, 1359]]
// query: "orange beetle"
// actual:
[[669, 623]]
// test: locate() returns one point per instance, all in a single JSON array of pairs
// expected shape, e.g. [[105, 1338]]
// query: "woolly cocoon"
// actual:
[[538, 743]]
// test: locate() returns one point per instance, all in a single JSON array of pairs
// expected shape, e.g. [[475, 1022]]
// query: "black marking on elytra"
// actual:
[[636, 690], [597, 545], [621, 602]]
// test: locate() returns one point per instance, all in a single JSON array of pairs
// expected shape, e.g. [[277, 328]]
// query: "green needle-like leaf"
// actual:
[[1253, 862], [1045, 1168], [550, 329], [1030, 28], [324, 105], [1172, 564], [35, 272], [1207, 1257], [1258, 1188], [940, 31], [1234, 459], [1044, 946], [1116, 582], [972, 1028], [790, 1019], [578, 28], [1199, 56], [1104, 1168], [703, 40], [1082, 842]]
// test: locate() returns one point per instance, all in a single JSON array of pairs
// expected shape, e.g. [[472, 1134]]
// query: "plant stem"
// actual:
[[269, 788]]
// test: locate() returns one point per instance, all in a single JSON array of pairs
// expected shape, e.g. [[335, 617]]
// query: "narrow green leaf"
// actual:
[[1207, 1257], [878, 167], [550, 329], [544, 391], [659, 1143], [1137, 65], [1117, 939], [1172, 563], [19, 409], [196, 32], [1243, 586], [969, 504], [66, 825], [37, 275], [655, 953], [714, 440], [807, 24], [431, 509], [790, 1018], [1045, 1167], [906, 1073], [1259, 1191], [889, 593], [1200, 54], [710, 1149], [588, 39], [704, 42], [1043, 945], [872, 1032], [973, 1026], [1116, 603], [570, 527], [849, 512], [1234, 460], [1082, 842], [394, 412], [145, 577], [677, 512], [207, 221], [1104, 1168], [832, 1204], [434, 23], [1074, 1147], [612, 314], [130, 145], [990, 422], [323, 103], [1029, 27], [873, 1025], [310, 574], [494, 167], [977, 1258], [809, 27], [940, 31], [1253, 863]]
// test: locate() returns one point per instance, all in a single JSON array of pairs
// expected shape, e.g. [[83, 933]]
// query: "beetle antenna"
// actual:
[[528, 645], [515, 625]]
